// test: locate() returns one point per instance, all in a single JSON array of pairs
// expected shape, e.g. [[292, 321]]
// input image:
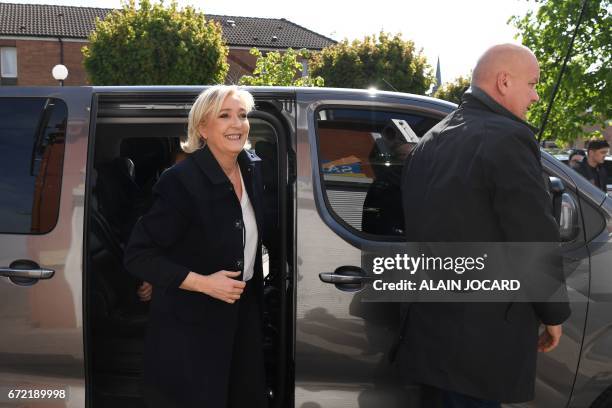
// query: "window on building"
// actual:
[[32, 132], [8, 66]]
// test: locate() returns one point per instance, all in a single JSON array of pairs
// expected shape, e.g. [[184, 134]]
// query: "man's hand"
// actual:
[[219, 285], [145, 291], [549, 339]]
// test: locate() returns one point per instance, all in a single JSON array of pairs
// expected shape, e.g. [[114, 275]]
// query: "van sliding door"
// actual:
[[349, 161]]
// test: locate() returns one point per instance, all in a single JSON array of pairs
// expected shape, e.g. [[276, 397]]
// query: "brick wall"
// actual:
[[73, 59], [241, 63], [36, 58]]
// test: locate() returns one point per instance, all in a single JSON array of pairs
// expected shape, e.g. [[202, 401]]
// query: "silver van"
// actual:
[[76, 170]]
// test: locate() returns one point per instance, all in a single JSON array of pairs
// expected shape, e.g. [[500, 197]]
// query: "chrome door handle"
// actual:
[[347, 278], [24, 272], [34, 273], [332, 277]]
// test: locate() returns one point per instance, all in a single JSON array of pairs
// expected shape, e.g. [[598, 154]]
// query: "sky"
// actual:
[[454, 31]]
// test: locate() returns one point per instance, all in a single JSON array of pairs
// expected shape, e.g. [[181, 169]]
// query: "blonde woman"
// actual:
[[200, 248]]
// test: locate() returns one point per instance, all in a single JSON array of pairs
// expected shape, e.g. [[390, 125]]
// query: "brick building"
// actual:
[[34, 38]]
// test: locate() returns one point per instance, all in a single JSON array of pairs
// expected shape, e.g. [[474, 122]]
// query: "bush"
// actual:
[[453, 91], [384, 62], [276, 69], [155, 45]]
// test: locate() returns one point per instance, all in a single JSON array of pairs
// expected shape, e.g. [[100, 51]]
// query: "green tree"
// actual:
[[155, 45], [452, 91], [383, 62], [276, 69], [584, 96]]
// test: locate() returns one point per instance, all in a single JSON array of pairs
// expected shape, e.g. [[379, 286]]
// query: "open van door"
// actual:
[[350, 152], [43, 153]]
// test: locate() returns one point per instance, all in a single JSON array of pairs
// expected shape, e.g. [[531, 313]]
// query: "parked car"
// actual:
[[76, 170]]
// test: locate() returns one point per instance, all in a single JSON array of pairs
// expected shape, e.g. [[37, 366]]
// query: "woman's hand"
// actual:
[[220, 285], [145, 291]]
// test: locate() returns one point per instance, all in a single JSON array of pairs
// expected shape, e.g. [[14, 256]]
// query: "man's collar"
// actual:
[[211, 167], [484, 98]]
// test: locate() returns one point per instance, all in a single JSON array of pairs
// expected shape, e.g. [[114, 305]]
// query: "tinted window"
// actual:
[[361, 155], [32, 132]]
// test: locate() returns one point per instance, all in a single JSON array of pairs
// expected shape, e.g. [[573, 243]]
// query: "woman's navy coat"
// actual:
[[196, 225]]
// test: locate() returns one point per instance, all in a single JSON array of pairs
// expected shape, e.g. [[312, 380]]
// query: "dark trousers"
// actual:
[[455, 400], [435, 397], [248, 377]]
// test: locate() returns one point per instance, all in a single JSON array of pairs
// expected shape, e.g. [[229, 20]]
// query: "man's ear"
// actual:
[[502, 82]]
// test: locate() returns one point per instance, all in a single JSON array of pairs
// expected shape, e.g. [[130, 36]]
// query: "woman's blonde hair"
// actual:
[[209, 103]]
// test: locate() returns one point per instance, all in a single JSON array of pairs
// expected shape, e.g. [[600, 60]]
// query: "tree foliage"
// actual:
[[276, 69], [155, 45], [383, 62], [453, 91], [584, 96]]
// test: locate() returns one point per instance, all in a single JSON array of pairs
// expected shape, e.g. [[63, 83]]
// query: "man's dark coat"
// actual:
[[477, 177], [598, 176], [196, 225]]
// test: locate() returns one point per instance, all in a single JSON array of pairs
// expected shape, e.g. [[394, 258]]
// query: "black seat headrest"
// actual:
[[117, 193], [126, 166], [267, 152]]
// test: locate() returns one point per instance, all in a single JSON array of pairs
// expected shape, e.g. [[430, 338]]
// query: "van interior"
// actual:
[[136, 139]]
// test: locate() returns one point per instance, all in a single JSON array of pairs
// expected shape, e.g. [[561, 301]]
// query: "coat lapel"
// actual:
[[249, 166], [209, 165]]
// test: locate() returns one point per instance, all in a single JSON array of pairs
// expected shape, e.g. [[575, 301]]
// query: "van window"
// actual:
[[32, 133], [361, 155]]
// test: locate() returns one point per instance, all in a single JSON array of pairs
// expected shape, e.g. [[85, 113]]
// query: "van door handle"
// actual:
[[347, 278], [40, 273], [332, 277], [25, 272]]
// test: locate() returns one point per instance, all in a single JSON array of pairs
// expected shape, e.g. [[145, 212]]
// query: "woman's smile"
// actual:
[[227, 132]]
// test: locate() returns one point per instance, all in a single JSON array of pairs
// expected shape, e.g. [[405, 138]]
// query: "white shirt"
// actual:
[[250, 226]]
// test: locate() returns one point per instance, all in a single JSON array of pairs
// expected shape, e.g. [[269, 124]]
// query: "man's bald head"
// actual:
[[508, 57], [508, 73]]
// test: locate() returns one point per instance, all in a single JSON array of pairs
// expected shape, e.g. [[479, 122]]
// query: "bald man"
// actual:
[[477, 177]]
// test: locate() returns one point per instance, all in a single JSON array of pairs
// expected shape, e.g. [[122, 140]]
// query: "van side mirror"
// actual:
[[565, 210]]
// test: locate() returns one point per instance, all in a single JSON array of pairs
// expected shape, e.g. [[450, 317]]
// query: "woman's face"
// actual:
[[227, 133]]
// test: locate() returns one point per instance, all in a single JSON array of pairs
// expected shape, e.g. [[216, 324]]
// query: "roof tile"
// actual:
[[39, 20]]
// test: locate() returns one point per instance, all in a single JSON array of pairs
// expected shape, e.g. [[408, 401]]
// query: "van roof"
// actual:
[[262, 90]]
